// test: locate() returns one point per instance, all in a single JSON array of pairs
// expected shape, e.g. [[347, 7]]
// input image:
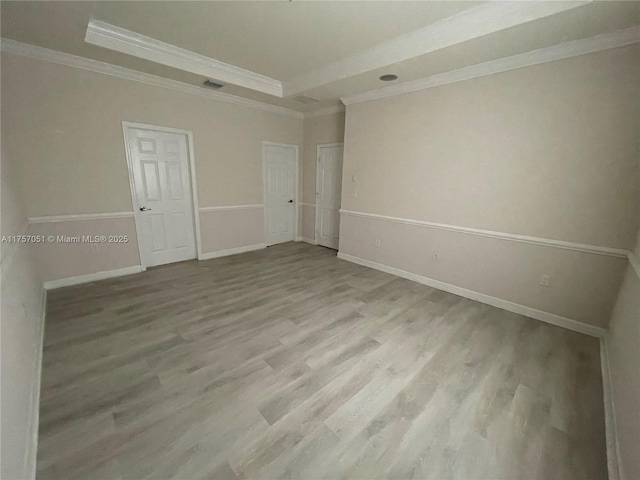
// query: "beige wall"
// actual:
[[548, 151], [318, 130], [64, 260], [227, 229], [623, 347], [63, 126], [623, 350], [21, 331], [583, 286]]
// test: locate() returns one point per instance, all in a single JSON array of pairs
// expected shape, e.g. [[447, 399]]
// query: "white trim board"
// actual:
[[14, 47], [91, 277], [547, 242], [475, 22], [122, 40], [611, 428], [226, 208], [79, 216], [547, 317], [232, 251], [635, 263], [34, 402], [561, 51]]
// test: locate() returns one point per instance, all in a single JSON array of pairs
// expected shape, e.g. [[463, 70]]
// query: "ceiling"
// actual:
[[306, 43]]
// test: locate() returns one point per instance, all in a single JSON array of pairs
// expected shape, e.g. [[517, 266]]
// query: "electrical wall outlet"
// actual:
[[544, 280], [377, 242]]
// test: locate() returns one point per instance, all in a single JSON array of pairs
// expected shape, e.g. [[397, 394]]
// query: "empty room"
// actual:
[[320, 240]]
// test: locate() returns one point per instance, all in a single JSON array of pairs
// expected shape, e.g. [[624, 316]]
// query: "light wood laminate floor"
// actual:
[[290, 363]]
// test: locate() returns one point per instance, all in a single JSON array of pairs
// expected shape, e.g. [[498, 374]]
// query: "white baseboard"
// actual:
[[611, 429], [91, 277], [613, 453], [312, 241], [34, 408], [483, 298], [232, 251]]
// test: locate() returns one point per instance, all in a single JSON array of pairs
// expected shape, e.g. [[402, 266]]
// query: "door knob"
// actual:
[[290, 201], [144, 209]]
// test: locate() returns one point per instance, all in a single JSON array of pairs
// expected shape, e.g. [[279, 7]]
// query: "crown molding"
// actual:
[[40, 53], [466, 25], [561, 51], [475, 22], [324, 111], [122, 40]]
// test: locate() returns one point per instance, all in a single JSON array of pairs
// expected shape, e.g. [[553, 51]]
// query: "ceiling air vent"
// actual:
[[215, 84], [306, 100]]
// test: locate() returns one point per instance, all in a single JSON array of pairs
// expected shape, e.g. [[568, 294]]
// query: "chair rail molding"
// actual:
[[635, 263], [79, 216], [226, 208], [548, 242]]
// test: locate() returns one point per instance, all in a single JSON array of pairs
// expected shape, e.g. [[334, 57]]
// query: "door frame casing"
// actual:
[[266, 144], [318, 147], [192, 177]]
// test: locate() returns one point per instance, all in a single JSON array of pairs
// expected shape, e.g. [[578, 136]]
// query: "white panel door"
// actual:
[[164, 217], [280, 186], [329, 194]]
